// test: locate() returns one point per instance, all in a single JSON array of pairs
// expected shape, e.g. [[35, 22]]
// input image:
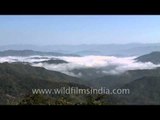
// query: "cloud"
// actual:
[[104, 64]]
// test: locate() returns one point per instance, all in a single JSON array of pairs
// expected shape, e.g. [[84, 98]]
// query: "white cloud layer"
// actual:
[[110, 64]]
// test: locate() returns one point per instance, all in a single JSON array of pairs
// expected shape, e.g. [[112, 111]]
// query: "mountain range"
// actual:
[[31, 53], [130, 49], [17, 80]]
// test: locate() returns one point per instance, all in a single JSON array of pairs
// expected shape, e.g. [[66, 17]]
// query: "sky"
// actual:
[[79, 29]]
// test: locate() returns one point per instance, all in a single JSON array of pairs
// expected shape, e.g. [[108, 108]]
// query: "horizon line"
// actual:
[[80, 44]]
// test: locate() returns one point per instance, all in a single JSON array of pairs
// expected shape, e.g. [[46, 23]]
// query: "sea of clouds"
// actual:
[[109, 64]]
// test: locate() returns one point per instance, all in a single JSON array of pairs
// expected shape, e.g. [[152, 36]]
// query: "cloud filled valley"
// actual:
[[70, 64]]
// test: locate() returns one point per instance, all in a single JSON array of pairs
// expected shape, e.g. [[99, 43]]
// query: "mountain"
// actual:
[[153, 57], [143, 91], [53, 61], [117, 81], [30, 53], [131, 49], [89, 52], [17, 80], [39, 72]]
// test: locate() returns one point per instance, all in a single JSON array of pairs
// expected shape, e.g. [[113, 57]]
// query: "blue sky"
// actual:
[[98, 29]]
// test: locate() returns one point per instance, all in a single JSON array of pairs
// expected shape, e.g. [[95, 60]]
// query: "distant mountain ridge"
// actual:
[[30, 53], [53, 61], [130, 49], [153, 57]]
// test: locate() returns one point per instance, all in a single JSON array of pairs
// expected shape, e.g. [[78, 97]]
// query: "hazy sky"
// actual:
[[50, 30]]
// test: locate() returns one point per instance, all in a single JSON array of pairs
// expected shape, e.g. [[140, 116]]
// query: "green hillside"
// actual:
[[116, 81], [143, 91], [17, 80]]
